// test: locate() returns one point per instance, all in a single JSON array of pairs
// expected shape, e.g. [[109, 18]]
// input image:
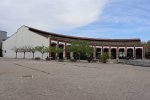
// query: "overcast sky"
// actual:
[[87, 18]]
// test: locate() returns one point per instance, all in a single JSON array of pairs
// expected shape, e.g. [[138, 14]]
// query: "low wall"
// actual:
[[145, 63]]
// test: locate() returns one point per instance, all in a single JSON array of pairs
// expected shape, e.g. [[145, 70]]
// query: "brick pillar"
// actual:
[[134, 53], [49, 45], [125, 51], [102, 51], [143, 53], [57, 46], [64, 53], [117, 53], [94, 52], [109, 50]]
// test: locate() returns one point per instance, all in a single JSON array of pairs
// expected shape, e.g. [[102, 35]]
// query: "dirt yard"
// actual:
[[44, 80]]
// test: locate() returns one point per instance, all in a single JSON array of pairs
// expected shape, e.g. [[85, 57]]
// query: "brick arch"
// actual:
[[113, 53], [139, 53], [130, 53], [121, 53], [105, 50], [53, 44]]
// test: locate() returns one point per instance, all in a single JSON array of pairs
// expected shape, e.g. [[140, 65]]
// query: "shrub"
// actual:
[[104, 57]]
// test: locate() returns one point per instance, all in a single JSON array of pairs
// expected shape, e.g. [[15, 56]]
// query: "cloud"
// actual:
[[124, 19], [49, 14], [120, 19]]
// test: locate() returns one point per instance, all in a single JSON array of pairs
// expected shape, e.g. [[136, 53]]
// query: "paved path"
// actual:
[[41, 80]]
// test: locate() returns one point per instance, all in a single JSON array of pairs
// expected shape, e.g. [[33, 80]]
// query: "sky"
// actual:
[[115, 19]]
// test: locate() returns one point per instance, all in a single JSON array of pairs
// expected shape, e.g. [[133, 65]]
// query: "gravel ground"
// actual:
[[44, 80]]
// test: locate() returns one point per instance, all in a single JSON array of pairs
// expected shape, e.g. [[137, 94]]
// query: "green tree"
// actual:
[[25, 49], [52, 49], [89, 50], [47, 50], [147, 45], [104, 57], [55, 50], [32, 50], [16, 50], [79, 47], [147, 49], [59, 50], [41, 49]]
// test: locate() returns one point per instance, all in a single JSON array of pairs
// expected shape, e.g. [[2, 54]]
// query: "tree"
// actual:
[[89, 50], [47, 50], [16, 50], [23, 49], [41, 49], [148, 46], [104, 57], [59, 50], [79, 47], [55, 50], [147, 49], [32, 50], [52, 49]]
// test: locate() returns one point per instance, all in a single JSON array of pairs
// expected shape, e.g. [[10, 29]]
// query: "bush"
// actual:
[[104, 57]]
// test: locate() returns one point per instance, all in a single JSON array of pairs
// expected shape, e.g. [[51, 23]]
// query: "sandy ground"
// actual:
[[44, 80]]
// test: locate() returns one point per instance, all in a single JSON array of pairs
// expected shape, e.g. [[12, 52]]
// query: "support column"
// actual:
[[57, 46], [143, 53], [134, 53], [64, 52], [49, 45], [109, 52], [117, 53], [125, 51], [102, 51], [94, 52]]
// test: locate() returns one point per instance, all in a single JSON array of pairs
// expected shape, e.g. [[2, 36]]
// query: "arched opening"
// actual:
[[105, 50], [130, 53], [1, 52], [98, 53], [113, 53], [121, 53], [139, 53], [53, 54], [67, 52], [60, 55]]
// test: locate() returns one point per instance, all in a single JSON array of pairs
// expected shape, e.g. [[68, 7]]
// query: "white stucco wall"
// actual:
[[24, 37]]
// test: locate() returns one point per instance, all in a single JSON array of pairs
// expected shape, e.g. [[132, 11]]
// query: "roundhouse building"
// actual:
[[27, 36]]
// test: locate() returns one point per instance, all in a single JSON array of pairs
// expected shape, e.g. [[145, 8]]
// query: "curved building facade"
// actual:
[[116, 48]]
